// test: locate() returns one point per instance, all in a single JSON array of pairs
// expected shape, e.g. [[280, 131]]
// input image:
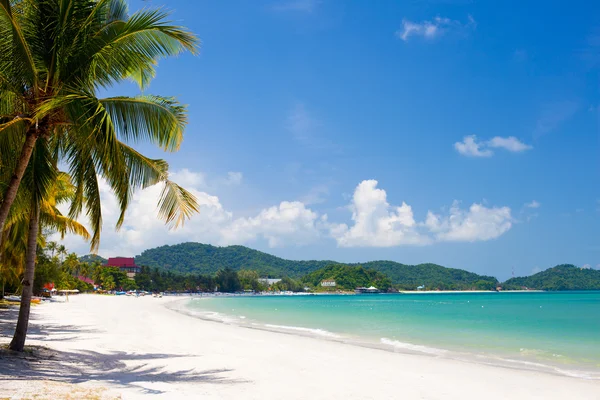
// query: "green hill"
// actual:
[[206, 259], [348, 277], [432, 276], [92, 258], [561, 277]]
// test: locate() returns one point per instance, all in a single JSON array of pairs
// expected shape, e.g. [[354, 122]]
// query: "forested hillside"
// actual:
[[348, 277], [561, 277], [432, 276], [92, 258], [200, 258]]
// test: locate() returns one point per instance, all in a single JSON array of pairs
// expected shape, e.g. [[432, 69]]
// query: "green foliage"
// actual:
[[433, 276], [288, 284], [92, 258], [113, 278], [561, 277], [66, 281], [249, 280], [155, 280], [348, 277], [205, 259], [227, 281], [46, 271]]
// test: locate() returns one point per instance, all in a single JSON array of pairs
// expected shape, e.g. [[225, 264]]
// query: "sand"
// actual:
[[103, 347]]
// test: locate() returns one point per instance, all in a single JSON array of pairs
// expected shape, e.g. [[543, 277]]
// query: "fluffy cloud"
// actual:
[[290, 222], [470, 147], [287, 223], [510, 143], [234, 178], [473, 148], [533, 204], [478, 223], [378, 224], [375, 222], [434, 28]]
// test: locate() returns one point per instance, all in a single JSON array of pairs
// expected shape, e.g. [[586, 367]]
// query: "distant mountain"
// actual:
[[92, 258], [432, 276], [200, 258], [561, 277]]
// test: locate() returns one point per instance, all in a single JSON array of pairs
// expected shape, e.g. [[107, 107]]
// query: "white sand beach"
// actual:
[[105, 347]]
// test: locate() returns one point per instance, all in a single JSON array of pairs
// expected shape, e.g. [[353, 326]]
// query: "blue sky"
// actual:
[[478, 121]]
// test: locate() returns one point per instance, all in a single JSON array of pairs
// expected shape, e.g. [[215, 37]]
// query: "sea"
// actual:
[[554, 332]]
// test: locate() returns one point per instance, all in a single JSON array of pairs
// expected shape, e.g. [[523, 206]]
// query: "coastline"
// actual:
[[134, 347]]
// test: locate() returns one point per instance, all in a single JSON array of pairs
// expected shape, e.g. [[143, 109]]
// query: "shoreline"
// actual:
[[139, 347], [388, 345]]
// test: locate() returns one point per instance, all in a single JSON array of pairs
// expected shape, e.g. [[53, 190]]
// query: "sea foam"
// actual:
[[412, 347], [319, 332]]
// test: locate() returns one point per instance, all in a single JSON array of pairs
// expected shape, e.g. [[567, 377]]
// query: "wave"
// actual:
[[319, 332], [413, 347]]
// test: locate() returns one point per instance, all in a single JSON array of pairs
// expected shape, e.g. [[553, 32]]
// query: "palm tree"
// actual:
[[72, 264], [13, 243], [61, 53], [21, 234], [51, 246], [61, 251], [84, 269], [56, 55]]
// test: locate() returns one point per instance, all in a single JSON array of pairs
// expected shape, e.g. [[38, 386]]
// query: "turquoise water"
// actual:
[[557, 331]]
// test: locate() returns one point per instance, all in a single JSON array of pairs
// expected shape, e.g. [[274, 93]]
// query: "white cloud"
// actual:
[[533, 204], [434, 28], [510, 143], [479, 223], [316, 195], [586, 266], [470, 147], [376, 223], [306, 6], [234, 178], [288, 223]]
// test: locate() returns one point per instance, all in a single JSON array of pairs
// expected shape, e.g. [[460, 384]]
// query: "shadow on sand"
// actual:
[[40, 363]]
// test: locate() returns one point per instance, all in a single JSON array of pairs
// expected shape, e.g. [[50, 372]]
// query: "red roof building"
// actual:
[[125, 264]]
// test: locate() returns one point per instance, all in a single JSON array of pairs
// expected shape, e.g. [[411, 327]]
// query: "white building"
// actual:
[[328, 283], [268, 282]]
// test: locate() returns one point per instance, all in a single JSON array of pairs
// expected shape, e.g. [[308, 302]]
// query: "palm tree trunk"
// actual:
[[18, 341], [15, 180]]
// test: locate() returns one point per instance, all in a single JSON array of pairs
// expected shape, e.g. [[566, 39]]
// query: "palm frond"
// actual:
[[160, 120], [176, 204], [19, 49]]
